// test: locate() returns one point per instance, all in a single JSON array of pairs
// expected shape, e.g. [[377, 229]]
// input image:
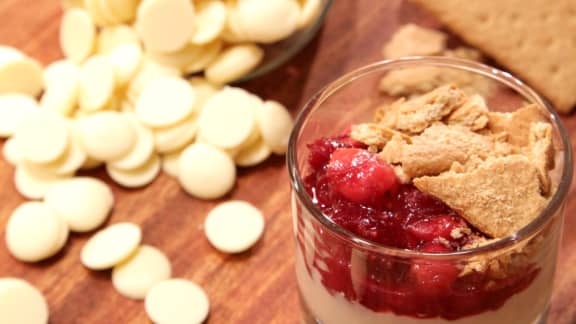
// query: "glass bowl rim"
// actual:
[[502, 77]]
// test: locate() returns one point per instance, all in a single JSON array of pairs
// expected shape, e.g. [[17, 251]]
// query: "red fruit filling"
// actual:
[[360, 192], [360, 176]]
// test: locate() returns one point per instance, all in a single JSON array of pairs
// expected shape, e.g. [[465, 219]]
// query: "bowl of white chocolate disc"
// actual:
[[227, 41]]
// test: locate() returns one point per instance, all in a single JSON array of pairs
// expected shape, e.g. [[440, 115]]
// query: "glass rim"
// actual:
[[502, 77]]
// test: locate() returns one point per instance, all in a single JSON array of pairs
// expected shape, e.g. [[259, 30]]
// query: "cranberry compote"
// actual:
[[360, 192]]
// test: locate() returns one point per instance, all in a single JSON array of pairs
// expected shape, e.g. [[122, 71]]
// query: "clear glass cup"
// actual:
[[344, 278]]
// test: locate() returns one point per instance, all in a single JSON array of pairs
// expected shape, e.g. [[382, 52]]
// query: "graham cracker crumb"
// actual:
[[460, 232], [498, 198], [516, 124], [400, 174], [472, 114], [415, 115], [542, 152], [414, 81], [412, 39], [393, 151], [373, 135]]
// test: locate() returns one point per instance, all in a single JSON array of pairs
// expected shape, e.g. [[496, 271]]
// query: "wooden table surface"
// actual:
[[255, 287]]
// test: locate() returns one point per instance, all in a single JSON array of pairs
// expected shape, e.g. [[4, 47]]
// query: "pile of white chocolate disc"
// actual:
[[120, 99]]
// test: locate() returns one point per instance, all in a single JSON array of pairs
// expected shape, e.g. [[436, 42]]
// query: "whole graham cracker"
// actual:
[[534, 39]]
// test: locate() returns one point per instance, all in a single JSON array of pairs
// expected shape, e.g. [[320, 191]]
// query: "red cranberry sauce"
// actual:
[[360, 192]]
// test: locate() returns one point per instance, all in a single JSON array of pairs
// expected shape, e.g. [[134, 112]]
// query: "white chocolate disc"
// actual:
[[208, 53], [99, 17], [106, 12], [110, 246], [136, 178], [267, 21], [8, 53], [11, 152], [126, 60], [97, 83], [61, 94], [232, 32], [42, 136], [204, 91], [176, 136], [165, 25], [123, 10], [210, 21], [20, 74], [20, 302], [234, 226], [228, 118], [74, 157], [165, 101], [111, 37], [83, 202], [34, 232], [77, 34], [34, 183], [57, 70], [149, 71], [107, 135], [275, 125], [177, 301], [13, 109], [67, 164], [233, 63], [179, 59], [134, 277], [170, 163], [142, 150], [205, 171], [253, 154]]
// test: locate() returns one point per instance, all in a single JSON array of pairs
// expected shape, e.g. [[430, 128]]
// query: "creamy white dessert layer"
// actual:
[[525, 307]]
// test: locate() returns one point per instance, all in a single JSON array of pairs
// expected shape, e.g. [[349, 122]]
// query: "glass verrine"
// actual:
[[344, 278]]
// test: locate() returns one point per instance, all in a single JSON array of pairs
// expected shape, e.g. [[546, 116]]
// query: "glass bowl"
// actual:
[[279, 53], [345, 278]]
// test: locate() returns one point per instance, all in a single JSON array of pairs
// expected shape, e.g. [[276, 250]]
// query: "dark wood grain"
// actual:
[[258, 286]]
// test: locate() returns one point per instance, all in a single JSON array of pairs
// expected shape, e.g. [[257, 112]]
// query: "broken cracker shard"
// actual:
[[415, 115], [502, 194]]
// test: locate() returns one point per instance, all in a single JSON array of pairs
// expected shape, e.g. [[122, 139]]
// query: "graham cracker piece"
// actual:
[[498, 198], [472, 114], [411, 81], [412, 39], [393, 151], [415, 115], [516, 124], [532, 38], [542, 152], [439, 146], [374, 135]]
